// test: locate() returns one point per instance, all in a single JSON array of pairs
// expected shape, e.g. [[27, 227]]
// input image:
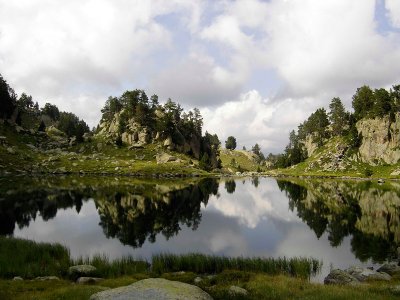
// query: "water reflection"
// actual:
[[133, 217], [131, 212], [336, 221], [366, 211]]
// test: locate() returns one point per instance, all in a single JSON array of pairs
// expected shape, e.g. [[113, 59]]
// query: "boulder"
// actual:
[[47, 278], [88, 280], [340, 277], [81, 271], [363, 274], [197, 280], [390, 268], [153, 288], [18, 278], [163, 158], [237, 291]]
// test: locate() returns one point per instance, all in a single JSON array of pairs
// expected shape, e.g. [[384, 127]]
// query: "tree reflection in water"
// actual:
[[367, 211], [132, 212]]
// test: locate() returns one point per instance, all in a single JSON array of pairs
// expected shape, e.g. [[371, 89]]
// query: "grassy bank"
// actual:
[[259, 286], [29, 259], [262, 278]]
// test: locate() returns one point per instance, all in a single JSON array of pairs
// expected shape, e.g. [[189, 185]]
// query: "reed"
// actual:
[[211, 264], [29, 259], [114, 268]]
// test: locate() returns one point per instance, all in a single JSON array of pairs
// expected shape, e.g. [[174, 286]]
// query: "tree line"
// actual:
[[322, 125], [24, 111]]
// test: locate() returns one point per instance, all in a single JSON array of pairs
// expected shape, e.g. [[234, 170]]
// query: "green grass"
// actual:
[[107, 268], [30, 259], [242, 160], [259, 286], [200, 263]]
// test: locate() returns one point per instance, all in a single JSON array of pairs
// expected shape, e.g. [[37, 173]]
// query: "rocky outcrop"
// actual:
[[309, 145], [154, 288], [380, 140], [136, 136]]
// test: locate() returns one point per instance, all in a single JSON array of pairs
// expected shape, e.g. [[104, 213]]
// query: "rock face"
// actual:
[[380, 140], [340, 277], [137, 135], [153, 288], [309, 145]]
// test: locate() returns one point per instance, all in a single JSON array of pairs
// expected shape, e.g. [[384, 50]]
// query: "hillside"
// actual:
[[239, 161], [362, 143], [376, 156]]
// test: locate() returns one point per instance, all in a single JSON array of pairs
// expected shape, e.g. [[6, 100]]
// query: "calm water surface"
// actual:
[[340, 222]]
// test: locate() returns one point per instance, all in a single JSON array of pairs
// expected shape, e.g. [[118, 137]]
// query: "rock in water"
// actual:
[[340, 277], [363, 274], [154, 288]]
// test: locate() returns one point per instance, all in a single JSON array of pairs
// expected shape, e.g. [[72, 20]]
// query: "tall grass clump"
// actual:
[[29, 259], [200, 263], [113, 268]]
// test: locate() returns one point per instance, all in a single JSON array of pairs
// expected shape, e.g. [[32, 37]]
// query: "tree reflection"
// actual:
[[364, 210], [230, 186], [130, 212]]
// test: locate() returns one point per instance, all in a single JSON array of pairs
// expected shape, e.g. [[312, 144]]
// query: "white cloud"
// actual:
[[201, 53], [252, 119], [329, 45], [250, 204], [196, 81], [393, 6]]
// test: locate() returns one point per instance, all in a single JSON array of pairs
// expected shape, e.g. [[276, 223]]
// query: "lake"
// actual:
[[340, 222]]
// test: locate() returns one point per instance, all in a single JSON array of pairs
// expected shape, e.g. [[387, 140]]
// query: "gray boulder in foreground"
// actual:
[[340, 277], [155, 289], [363, 274]]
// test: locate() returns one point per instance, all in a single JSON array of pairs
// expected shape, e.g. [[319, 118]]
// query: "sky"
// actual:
[[256, 69]]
